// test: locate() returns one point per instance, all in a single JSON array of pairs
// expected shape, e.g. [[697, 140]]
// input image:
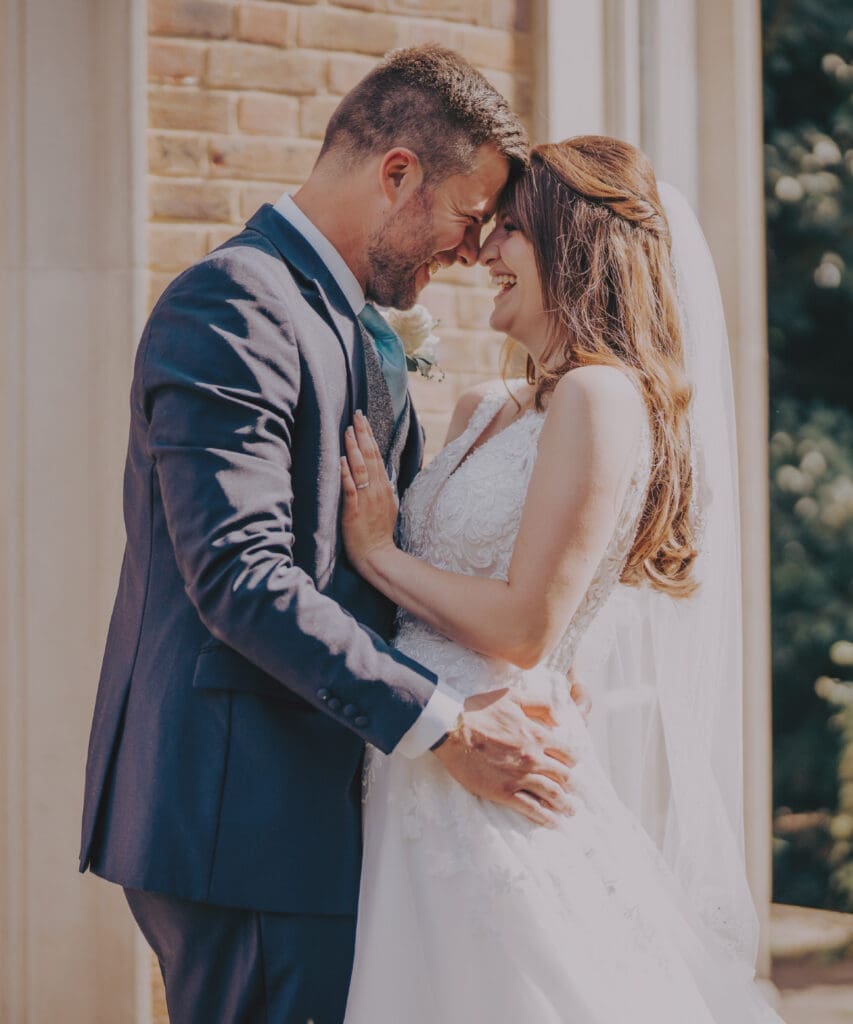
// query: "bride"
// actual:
[[589, 513]]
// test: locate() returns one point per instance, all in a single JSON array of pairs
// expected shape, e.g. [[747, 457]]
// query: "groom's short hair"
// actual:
[[432, 101]]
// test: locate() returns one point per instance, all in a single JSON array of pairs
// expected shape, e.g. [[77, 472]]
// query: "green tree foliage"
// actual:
[[840, 695], [811, 491], [808, 99]]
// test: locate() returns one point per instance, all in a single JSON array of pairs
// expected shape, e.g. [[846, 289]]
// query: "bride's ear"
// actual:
[[400, 174]]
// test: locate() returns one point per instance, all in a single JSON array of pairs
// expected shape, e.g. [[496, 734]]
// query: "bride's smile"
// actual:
[[519, 308]]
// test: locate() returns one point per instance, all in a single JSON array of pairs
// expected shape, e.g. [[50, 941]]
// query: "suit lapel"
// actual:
[[380, 411], [411, 455], [404, 444], [332, 305]]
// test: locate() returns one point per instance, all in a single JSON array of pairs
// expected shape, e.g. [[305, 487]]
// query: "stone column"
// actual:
[[70, 132], [731, 207]]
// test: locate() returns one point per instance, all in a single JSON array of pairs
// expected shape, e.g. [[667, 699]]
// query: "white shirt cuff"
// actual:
[[439, 716]]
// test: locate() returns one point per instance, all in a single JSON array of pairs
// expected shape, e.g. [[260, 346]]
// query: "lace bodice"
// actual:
[[463, 511]]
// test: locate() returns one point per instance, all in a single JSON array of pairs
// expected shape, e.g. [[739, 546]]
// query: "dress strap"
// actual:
[[486, 408]]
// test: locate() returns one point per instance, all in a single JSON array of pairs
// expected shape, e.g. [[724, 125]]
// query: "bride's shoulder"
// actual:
[[467, 404], [600, 403], [599, 389]]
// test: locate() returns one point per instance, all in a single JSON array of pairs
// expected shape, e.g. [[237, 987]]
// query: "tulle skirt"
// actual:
[[469, 914]]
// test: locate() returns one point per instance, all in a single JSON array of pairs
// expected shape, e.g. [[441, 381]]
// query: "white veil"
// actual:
[[665, 675]]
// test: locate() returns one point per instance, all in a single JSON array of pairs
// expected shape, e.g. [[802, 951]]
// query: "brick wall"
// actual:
[[239, 95]]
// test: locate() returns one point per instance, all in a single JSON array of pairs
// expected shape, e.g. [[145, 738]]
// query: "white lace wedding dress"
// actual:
[[468, 913]]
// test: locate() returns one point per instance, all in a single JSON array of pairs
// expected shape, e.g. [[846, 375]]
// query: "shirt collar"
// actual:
[[335, 263]]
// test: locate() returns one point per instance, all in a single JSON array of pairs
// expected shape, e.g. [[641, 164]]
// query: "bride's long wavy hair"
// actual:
[[591, 209]]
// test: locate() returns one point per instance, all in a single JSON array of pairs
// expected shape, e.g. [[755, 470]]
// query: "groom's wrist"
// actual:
[[457, 725], [438, 718]]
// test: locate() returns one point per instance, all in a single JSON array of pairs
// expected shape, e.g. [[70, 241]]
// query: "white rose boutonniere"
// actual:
[[415, 327]]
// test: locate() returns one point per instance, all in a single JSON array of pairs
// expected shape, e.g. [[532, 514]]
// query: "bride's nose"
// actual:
[[489, 249]]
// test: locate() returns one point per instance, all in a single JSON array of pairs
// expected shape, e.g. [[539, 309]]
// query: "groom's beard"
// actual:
[[397, 251]]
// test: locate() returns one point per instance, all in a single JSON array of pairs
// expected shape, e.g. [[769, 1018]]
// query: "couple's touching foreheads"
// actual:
[[342, 759]]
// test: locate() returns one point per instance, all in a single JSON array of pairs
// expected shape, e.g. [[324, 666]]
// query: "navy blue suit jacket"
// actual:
[[246, 662]]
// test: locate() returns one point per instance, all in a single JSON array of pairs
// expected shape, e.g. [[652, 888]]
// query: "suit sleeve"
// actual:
[[220, 385]]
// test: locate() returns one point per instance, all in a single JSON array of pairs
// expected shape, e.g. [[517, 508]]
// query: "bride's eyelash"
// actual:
[[508, 226]]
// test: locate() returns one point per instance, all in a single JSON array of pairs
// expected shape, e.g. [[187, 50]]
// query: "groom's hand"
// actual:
[[509, 754]]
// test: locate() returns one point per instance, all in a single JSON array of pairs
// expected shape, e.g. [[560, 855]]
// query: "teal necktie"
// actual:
[[392, 356]]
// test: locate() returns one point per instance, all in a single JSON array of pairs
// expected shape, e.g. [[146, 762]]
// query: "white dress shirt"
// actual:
[[442, 710]]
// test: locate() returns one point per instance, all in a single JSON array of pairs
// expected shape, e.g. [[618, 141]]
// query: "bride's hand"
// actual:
[[370, 503]]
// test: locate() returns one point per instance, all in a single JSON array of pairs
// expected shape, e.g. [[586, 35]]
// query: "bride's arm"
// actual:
[[586, 454]]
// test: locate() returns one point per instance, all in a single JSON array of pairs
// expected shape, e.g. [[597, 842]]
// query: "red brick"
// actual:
[[190, 109], [314, 115], [252, 197], [347, 70], [513, 15], [331, 28], [266, 23], [199, 18], [211, 201], [217, 236], [157, 282], [258, 159], [265, 114], [418, 32], [175, 246], [489, 47], [523, 16], [204, 19], [363, 5], [178, 156], [175, 63], [243, 66], [452, 10]]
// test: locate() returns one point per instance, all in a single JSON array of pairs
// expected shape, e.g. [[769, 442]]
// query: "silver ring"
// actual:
[[361, 487]]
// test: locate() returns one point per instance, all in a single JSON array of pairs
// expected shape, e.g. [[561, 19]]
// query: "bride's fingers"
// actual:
[[532, 809], [548, 793], [366, 437], [357, 465], [563, 780], [369, 448], [347, 482], [539, 713], [556, 750], [561, 754]]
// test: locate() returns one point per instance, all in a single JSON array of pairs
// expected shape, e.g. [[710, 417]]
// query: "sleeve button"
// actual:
[[350, 711], [334, 704], [361, 721], [323, 694]]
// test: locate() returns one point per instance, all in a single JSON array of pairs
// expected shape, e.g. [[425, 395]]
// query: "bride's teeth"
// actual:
[[503, 280], [434, 267]]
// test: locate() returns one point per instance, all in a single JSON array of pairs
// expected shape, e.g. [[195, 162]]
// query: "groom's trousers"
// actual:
[[230, 966]]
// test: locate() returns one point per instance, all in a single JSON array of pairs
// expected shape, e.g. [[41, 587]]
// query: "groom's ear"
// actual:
[[400, 174]]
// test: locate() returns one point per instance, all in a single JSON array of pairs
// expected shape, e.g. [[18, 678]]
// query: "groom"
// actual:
[[247, 664]]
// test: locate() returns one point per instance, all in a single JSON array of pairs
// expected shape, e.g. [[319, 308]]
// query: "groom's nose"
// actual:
[[468, 250], [488, 251]]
